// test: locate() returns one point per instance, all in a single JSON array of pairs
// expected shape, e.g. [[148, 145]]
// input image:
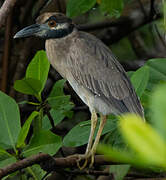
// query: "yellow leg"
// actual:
[[90, 141], [94, 147], [92, 131]]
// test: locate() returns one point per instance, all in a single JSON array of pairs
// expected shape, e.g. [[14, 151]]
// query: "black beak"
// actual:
[[28, 31]]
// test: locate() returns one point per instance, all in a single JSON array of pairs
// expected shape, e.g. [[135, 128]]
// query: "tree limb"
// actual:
[[49, 163]]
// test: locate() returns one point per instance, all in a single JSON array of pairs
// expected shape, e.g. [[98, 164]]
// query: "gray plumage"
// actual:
[[94, 73]]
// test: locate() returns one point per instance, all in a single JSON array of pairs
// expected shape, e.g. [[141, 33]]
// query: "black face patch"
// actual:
[[59, 33]]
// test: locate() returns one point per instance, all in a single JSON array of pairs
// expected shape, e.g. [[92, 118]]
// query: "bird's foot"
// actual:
[[83, 160]]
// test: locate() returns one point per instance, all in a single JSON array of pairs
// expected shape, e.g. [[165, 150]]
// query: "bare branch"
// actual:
[[49, 163], [23, 164]]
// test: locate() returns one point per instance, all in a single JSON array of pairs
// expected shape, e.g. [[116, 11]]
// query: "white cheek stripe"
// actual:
[[60, 26]]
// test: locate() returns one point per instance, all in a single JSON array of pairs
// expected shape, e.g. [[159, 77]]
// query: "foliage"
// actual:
[[146, 143], [13, 136], [111, 7]]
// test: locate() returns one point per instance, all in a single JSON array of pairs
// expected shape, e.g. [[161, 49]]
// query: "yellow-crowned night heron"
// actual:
[[90, 68]]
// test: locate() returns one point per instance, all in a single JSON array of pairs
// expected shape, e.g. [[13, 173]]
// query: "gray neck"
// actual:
[[58, 49]]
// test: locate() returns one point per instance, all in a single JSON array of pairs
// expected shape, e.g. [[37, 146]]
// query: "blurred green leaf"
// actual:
[[79, 134], [117, 155], [4, 154], [157, 72], [25, 129], [7, 161], [9, 120], [148, 145], [60, 103], [119, 171], [75, 7], [37, 172], [130, 73], [43, 141], [38, 68], [140, 79], [28, 86], [114, 8], [57, 89], [158, 109]]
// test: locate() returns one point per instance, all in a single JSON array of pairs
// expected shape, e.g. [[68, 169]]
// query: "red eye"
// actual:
[[52, 23]]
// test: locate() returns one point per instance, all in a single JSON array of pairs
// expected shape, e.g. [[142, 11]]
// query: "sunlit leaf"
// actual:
[[38, 68], [116, 155], [28, 86], [148, 145]]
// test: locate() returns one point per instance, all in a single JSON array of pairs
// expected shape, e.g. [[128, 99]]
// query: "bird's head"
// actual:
[[48, 25]]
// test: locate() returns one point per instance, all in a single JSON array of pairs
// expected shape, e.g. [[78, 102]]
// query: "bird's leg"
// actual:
[[92, 131], [94, 147], [88, 149]]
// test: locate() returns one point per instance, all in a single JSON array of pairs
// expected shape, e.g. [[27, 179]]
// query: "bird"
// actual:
[[91, 69]]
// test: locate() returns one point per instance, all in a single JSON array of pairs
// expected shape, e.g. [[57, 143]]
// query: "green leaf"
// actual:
[[4, 154], [75, 7], [7, 161], [117, 155], [119, 171], [57, 115], [28, 86], [38, 68], [140, 80], [140, 136], [114, 8], [43, 141], [36, 172], [79, 135], [158, 109], [157, 71], [130, 73], [57, 89], [25, 129], [9, 120], [60, 103]]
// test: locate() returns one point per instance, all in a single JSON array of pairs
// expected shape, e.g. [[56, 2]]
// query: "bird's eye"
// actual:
[[52, 23]]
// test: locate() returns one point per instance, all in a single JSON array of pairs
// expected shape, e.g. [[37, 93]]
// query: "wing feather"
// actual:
[[94, 66]]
